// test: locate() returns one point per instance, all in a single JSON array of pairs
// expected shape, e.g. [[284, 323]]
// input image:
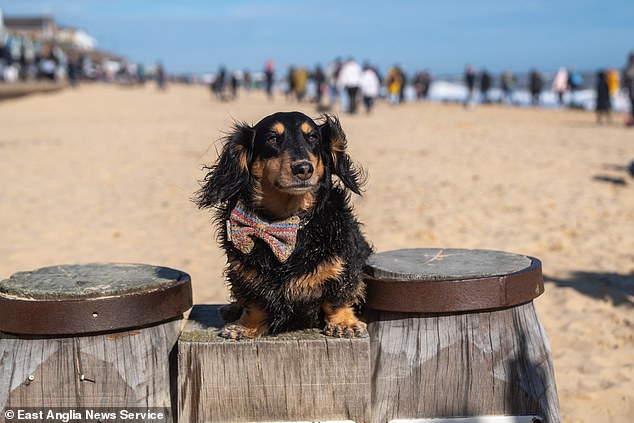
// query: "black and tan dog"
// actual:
[[294, 249]]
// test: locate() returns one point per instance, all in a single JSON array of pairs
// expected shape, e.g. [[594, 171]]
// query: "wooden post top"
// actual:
[[73, 299], [450, 280], [204, 322]]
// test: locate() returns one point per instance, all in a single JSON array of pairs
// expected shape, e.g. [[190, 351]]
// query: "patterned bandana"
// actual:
[[281, 236]]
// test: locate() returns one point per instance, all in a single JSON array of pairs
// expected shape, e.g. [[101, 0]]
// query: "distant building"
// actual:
[[41, 28], [44, 29], [75, 38], [41, 34]]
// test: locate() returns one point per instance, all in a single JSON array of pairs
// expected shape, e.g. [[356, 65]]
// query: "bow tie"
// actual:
[[281, 236]]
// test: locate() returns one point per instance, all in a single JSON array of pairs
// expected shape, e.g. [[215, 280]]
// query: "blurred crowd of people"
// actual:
[[566, 84], [565, 81], [351, 84], [23, 58], [354, 86], [346, 83]]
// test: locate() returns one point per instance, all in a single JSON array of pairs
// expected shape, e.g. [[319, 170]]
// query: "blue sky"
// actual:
[[198, 36]]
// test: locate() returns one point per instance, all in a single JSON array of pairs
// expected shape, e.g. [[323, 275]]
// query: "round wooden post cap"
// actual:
[[88, 298], [437, 280]]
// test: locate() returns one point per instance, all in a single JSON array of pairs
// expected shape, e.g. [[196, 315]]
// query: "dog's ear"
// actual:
[[227, 178], [335, 144]]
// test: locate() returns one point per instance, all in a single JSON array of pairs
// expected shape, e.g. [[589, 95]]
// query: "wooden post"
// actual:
[[297, 376], [454, 333], [99, 336]]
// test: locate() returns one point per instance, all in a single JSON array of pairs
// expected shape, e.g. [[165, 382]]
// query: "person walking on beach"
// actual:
[[73, 68], [218, 84], [535, 86], [350, 79], [290, 81], [575, 82], [160, 76], [370, 86], [140, 74], [422, 81], [269, 73], [603, 105], [613, 83], [469, 79], [560, 85], [332, 77], [628, 84], [320, 79], [235, 83], [393, 83], [401, 91], [485, 85], [300, 79], [507, 83]]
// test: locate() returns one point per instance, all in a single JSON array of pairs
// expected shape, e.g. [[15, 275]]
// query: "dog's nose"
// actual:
[[303, 170]]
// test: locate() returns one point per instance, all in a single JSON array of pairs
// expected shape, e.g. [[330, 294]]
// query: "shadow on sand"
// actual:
[[614, 287]]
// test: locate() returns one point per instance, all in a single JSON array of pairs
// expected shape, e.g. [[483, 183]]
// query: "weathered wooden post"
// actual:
[[454, 333], [97, 335], [296, 376]]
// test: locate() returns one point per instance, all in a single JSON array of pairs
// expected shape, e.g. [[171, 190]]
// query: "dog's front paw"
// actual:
[[237, 331], [346, 330]]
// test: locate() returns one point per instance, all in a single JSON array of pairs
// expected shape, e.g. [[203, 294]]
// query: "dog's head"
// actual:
[[279, 165]]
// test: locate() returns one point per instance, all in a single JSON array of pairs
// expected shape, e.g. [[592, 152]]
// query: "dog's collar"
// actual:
[[281, 236]]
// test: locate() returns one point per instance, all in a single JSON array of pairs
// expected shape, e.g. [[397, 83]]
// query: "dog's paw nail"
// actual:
[[232, 332], [360, 331], [345, 331], [331, 330]]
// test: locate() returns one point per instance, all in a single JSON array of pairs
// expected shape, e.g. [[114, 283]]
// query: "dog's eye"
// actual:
[[272, 139], [312, 138]]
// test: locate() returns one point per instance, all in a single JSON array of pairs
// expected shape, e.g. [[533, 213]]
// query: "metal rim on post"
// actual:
[[454, 295], [28, 316]]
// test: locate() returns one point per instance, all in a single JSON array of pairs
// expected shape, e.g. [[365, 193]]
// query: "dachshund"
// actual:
[[280, 191]]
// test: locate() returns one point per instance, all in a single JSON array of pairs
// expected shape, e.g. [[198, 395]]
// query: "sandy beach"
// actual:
[[106, 174]]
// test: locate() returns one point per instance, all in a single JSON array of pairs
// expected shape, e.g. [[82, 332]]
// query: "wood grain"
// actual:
[[83, 281], [121, 369], [301, 376], [443, 264], [468, 342], [83, 299], [467, 364]]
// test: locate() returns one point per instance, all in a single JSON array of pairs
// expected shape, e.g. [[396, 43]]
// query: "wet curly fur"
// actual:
[[286, 166]]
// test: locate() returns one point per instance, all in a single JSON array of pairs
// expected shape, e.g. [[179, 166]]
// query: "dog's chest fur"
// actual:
[[326, 262]]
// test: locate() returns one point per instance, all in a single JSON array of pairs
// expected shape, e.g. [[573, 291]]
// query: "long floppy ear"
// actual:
[[227, 178], [335, 143]]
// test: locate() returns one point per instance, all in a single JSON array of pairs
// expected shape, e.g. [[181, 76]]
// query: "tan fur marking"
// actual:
[[310, 285], [242, 157], [279, 204], [278, 128], [308, 202], [251, 324], [254, 319], [342, 316], [318, 164], [306, 127], [360, 292], [337, 146], [257, 168]]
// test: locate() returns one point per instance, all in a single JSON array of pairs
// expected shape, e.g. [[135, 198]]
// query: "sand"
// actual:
[[106, 174]]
